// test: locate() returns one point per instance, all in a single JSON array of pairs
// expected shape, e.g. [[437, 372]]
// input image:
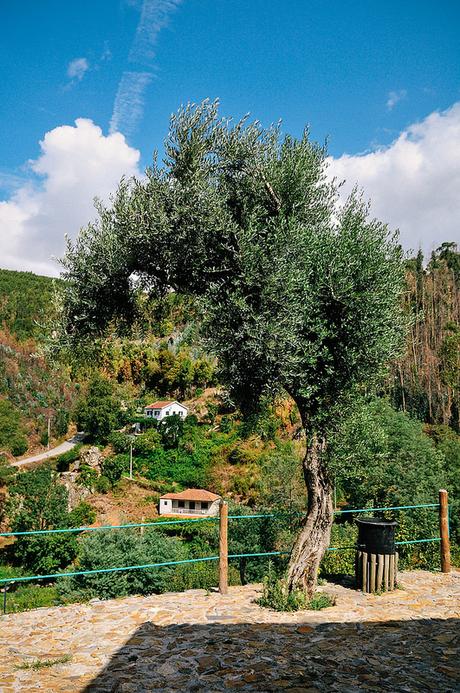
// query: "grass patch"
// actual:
[[319, 601], [44, 663], [276, 596], [25, 597]]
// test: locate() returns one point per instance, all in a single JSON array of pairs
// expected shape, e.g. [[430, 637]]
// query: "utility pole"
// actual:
[[131, 459]]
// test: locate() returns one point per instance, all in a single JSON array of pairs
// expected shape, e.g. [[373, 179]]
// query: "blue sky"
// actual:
[[360, 73]]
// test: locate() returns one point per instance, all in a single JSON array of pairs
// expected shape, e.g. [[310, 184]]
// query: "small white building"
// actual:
[[193, 501], [160, 410]]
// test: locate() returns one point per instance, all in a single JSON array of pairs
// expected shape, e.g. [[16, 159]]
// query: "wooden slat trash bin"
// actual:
[[376, 562]]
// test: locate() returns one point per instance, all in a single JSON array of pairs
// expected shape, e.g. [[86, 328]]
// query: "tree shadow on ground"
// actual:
[[407, 656]]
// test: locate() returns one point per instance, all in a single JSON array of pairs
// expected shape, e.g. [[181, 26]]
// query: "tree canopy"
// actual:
[[297, 294]]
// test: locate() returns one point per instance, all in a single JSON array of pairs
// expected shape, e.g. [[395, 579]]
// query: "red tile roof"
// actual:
[[161, 405], [192, 494]]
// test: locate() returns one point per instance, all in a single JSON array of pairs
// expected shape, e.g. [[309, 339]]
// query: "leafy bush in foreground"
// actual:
[[110, 549]]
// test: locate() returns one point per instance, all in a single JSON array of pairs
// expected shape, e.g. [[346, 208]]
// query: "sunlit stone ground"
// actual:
[[407, 640]]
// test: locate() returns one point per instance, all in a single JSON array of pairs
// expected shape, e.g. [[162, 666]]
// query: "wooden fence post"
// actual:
[[444, 530], [223, 547]]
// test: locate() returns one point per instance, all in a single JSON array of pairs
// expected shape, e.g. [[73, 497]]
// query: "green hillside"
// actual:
[[26, 300]]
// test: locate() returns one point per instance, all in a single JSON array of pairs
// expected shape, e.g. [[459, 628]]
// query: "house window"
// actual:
[[149, 412], [191, 505], [165, 502], [204, 505], [180, 504], [167, 413], [180, 413], [157, 413]]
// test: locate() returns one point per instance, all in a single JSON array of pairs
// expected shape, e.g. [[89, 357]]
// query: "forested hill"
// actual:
[[26, 300], [166, 360], [426, 381]]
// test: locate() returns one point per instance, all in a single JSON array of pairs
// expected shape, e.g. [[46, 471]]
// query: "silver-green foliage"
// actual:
[[296, 294]]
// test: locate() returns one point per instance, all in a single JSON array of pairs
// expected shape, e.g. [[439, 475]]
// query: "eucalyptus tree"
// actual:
[[296, 294]]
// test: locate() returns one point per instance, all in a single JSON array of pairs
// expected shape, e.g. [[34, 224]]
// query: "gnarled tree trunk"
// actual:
[[314, 537]]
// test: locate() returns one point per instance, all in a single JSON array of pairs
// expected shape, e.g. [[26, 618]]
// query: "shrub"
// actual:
[[83, 514], [102, 485], [6, 473], [18, 445], [276, 595], [45, 554], [226, 424], [171, 430], [212, 411], [12, 433], [119, 441], [341, 562], [61, 422], [106, 549], [87, 477], [114, 467], [64, 461], [146, 443]]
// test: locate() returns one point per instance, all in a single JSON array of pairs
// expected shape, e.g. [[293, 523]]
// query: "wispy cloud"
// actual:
[[154, 17], [9, 182], [129, 102], [128, 107], [77, 68], [394, 97]]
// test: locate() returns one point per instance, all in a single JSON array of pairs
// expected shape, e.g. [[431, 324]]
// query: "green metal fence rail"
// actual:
[[52, 576]]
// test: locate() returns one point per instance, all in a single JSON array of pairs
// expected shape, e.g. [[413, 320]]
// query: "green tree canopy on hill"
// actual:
[[26, 302], [38, 501], [12, 431], [98, 411], [296, 295]]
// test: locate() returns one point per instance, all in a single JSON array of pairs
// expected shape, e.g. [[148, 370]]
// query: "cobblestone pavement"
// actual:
[[193, 641]]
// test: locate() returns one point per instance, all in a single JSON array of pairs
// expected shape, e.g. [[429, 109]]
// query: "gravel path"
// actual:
[[404, 641]]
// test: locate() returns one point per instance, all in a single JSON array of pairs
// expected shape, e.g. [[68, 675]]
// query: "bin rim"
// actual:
[[376, 521]]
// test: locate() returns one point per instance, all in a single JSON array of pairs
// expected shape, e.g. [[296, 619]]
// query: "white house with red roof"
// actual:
[[160, 410], [193, 501]]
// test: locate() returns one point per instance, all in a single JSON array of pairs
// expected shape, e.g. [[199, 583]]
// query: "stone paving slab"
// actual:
[[407, 641]]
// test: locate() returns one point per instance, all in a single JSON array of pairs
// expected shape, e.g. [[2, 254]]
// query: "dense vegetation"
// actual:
[[389, 451], [26, 303]]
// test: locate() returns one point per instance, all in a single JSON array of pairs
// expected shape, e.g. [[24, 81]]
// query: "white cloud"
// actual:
[[413, 183], [77, 163], [394, 97], [77, 68]]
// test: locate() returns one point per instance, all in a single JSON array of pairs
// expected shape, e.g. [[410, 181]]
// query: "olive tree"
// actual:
[[297, 295]]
